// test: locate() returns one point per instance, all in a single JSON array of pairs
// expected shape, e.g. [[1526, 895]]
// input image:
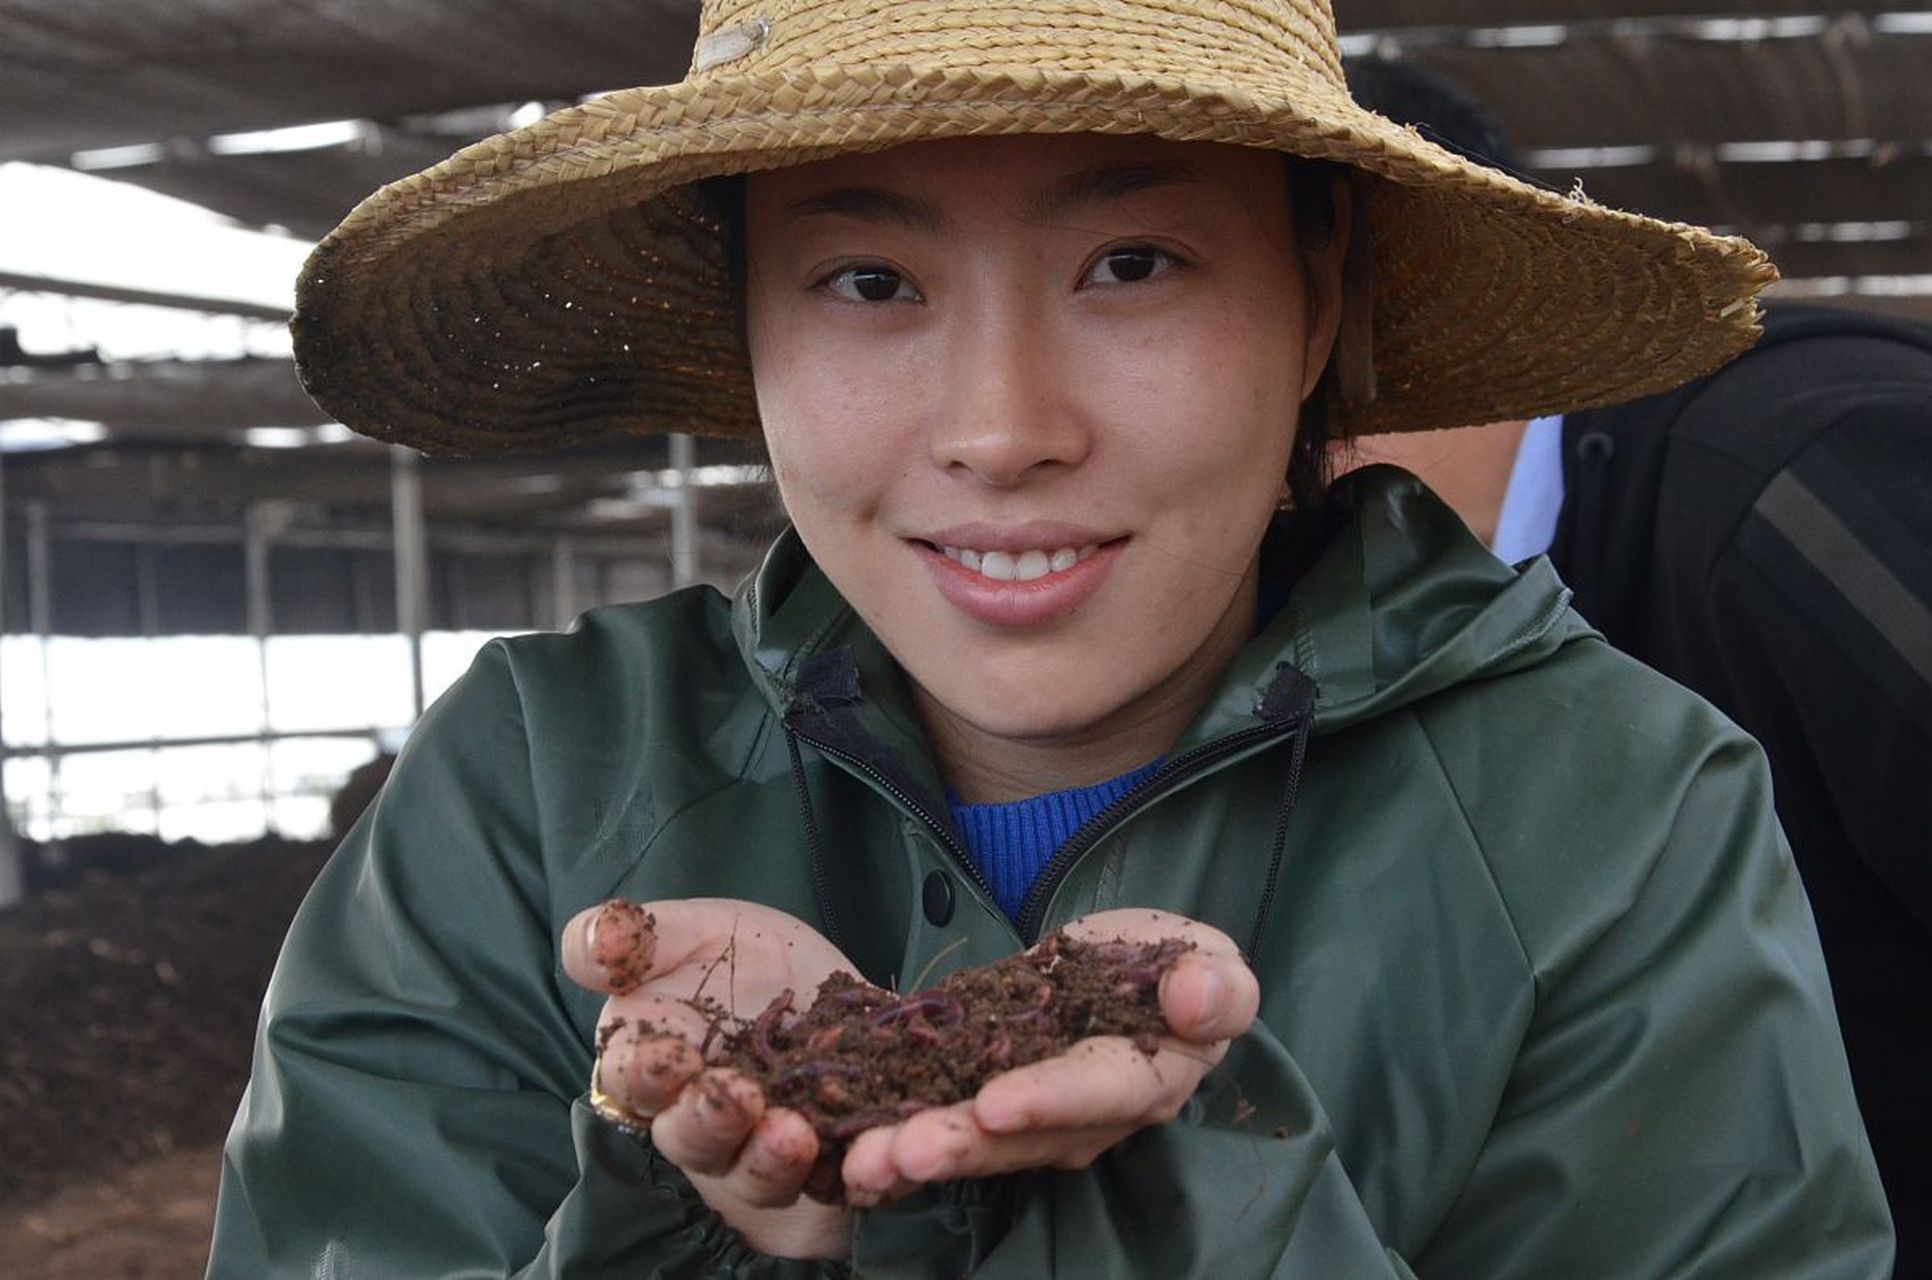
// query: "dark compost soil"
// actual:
[[860, 1057], [129, 990]]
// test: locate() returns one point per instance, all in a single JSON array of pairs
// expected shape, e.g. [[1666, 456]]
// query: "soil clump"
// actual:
[[860, 1056]]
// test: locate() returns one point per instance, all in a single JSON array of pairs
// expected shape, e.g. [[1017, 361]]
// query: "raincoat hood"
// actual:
[[1400, 603]]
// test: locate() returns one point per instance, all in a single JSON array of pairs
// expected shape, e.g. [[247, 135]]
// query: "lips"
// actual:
[[1020, 575]]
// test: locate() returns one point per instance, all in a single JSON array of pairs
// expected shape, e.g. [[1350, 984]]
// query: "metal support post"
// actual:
[[412, 562], [684, 512], [40, 618], [260, 615], [563, 583], [13, 868]]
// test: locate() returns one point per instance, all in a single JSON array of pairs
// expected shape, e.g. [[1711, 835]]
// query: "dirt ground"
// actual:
[[130, 980]]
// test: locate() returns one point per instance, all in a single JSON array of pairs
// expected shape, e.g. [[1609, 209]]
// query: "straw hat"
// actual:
[[560, 281]]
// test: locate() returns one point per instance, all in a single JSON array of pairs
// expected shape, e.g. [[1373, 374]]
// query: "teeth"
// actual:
[[1005, 566]]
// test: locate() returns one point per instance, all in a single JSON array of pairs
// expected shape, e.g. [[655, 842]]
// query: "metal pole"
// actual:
[[260, 614], [563, 583], [684, 512], [13, 870], [40, 617], [412, 562]]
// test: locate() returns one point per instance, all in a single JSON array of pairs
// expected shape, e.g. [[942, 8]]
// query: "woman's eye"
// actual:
[[1130, 264], [872, 284]]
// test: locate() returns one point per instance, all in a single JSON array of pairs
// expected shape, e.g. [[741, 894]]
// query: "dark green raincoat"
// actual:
[[1540, 992]]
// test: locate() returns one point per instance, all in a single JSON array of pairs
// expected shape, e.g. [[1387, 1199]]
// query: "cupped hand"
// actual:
[[1065, 1111], [747, 1161]]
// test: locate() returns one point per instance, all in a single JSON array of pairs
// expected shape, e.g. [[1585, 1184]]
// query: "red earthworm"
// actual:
[[936, 1007], [813, 1070], [766, 1023], [858, 994], [1033, 1019]]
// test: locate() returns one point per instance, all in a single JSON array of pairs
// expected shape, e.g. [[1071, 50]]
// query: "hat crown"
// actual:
[[1238, 43]]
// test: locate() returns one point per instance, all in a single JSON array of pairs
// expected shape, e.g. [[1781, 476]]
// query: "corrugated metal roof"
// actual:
[[1693, 86]]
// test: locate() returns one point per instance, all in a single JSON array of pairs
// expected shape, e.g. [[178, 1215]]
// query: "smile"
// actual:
[[1019, 566]]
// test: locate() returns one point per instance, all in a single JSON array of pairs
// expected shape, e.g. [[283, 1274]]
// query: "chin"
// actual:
[[1044, 707]]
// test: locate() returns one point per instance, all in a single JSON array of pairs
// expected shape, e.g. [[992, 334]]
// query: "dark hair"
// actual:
[[1413, 95], [1311, 193]]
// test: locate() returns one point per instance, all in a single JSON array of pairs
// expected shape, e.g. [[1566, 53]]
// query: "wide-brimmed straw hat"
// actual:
[[562, 280]]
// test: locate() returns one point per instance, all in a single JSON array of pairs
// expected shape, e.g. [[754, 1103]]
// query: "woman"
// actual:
[[1501, 967]]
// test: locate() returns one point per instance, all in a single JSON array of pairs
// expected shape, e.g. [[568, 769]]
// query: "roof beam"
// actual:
[[143, 297]]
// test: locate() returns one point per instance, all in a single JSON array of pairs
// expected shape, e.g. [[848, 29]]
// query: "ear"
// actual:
[[1329, 271]]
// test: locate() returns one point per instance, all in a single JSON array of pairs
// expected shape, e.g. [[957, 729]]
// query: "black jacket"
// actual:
[[1764, 535]]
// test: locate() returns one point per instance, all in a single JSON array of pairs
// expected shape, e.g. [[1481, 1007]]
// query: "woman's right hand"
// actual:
[[747, 1161]]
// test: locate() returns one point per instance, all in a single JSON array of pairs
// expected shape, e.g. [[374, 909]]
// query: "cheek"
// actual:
[[831, 428], [1208, 409]]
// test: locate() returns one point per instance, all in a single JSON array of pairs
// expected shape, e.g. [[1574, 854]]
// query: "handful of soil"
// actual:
[[861, 1057]]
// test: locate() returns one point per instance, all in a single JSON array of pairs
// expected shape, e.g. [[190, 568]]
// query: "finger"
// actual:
[[1146, 924], [706, 1128], [1209, 997], [771, 1169], [1102, 1081], [934, 1147], [616, 946], [868, 1171], [643, 1066], [611, 947]]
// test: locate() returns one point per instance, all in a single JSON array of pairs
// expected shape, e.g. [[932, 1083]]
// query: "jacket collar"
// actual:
[[1401, 602]]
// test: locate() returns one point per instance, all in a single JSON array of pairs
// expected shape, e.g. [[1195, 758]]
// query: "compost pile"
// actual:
[[861, 1057], [130, 982]]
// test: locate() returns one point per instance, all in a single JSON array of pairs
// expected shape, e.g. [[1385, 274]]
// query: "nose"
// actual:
[[1011, 406]]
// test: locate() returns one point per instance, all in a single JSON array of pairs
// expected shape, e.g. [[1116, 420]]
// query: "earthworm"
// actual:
[[858, 994], [767, 1022], [936, 1007], [813, 1070], [1032, 1020]]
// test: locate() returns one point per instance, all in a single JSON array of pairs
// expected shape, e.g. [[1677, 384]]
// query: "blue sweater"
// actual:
[[1011, 843]]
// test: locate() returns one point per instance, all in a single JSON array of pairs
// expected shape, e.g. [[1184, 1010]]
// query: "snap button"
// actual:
[[938, 898], [1597, 446]]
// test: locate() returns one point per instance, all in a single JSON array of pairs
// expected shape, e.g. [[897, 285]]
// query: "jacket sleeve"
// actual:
[[1680, 1105], [414, 1108]]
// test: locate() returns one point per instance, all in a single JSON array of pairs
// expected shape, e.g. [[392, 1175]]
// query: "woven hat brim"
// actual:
[[560, 282]]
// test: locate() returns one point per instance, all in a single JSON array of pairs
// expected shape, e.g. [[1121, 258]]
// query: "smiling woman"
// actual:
[[1002, 383], [1490, 961]]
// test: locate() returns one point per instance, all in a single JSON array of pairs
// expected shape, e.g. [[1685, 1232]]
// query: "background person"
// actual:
[[1047, 406], [1763, 535]]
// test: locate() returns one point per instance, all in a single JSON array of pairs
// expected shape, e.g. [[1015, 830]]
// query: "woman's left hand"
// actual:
[[1062, 1113]]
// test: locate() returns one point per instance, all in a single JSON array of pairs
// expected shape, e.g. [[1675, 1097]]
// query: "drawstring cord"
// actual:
[[1303, 691], [821, 876]]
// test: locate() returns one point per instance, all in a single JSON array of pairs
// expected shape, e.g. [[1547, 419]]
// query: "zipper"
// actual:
[[1198, 760], [910, 804]]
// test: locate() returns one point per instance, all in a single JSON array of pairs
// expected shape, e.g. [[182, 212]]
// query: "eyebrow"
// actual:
[[1085, 189], [869, 204], [1104, 185]]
